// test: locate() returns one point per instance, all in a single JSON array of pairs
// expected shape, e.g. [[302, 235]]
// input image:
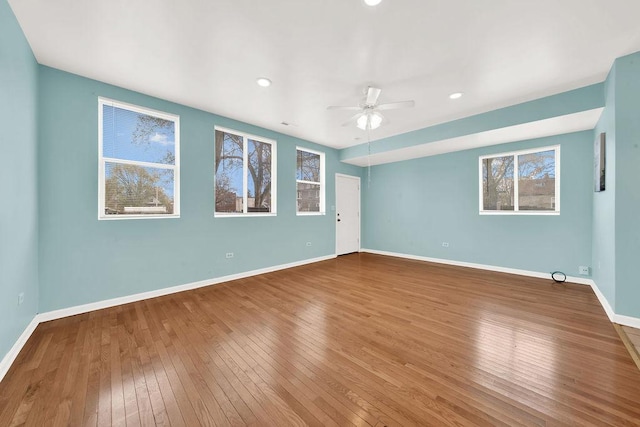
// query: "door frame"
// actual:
[[335, 213]]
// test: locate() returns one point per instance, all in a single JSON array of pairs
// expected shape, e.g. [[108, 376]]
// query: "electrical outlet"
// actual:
[[20, 298], [445, 244], [583, 270], [229, 255], [308, 243]]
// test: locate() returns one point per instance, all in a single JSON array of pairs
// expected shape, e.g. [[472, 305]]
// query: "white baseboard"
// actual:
[[633, 322], [10, 357], [603, 302], [528, 273], [620, 319]]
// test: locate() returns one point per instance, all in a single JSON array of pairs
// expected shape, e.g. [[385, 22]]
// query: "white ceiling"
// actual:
[[208, 53]]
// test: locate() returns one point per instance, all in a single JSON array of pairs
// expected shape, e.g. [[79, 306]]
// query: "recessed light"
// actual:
[[372, 2], [263, 81], [456, 95]]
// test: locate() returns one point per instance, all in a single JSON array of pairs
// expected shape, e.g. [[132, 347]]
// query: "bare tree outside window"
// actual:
[[259, 185], [230, 171], [497, 183], [308, 166], [309, 181]]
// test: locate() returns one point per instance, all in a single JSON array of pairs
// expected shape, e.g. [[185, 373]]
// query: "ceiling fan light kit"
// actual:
[[369, 116], [369, 120]]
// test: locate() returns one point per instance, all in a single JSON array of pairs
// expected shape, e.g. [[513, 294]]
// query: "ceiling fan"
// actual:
[[369, 116]]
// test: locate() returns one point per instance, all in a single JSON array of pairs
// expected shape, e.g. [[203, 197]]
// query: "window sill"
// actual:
[[243, 215], [310, 213], [516, 213], [121, 217]]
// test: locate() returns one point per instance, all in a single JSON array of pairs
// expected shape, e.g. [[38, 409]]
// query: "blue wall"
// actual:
[[627, 187], [411, 207], [18, 181], [86, 260], [603, 227], [616, 234]]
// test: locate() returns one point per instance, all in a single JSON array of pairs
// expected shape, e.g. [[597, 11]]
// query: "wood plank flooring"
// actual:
[[359, 340]]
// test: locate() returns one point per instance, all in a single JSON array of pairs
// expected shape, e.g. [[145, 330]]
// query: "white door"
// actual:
[[347, 214]]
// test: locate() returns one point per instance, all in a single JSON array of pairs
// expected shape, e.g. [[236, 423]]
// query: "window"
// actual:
[[245, 174], [310, 182], [537, 189], [139, 160]]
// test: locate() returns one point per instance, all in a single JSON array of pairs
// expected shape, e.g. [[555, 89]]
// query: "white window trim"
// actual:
[[322, 183], [516, 206], [245, 175], [103, 160]]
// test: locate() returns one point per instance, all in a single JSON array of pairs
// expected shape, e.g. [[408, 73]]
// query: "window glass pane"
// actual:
[[131, 189], [537, 181], [259, 176], [308, 196], [497, 183], [308, 168], [130, 135], [228, 172]]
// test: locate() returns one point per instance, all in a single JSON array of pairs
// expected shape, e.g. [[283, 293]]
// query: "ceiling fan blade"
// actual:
[[395, 105], [340, 107], [372, 95], [352, 120]]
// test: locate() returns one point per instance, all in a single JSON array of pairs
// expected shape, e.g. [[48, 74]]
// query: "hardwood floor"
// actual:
[[360, 340]]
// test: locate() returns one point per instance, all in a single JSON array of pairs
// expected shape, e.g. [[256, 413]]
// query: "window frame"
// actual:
[[322, 208], [245, 174], [516, 202], [102, 160]]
